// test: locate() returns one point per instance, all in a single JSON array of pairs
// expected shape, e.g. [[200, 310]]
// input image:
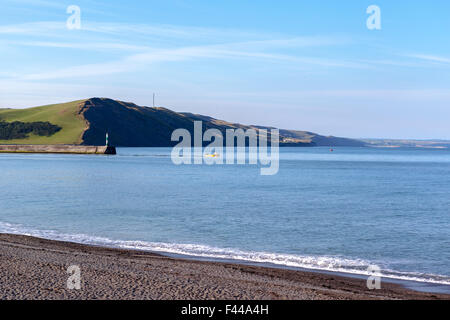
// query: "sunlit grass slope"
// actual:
[[65, 115]]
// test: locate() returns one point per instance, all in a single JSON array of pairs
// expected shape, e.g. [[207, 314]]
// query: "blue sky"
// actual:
[[309, 65]]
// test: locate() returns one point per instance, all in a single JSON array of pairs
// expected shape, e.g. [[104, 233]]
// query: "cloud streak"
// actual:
[[171, 44], [138, 61], [430, 58]]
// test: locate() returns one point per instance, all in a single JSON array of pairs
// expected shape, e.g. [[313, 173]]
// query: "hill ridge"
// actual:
[[86, 122]]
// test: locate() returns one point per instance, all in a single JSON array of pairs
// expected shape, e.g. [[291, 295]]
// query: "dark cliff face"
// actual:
[[129, 125]]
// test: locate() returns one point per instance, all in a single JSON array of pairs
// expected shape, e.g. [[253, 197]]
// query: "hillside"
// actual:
[[65, 115], [129, 125]]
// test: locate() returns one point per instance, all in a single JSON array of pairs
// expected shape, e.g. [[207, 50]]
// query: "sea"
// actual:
[[341, 210]]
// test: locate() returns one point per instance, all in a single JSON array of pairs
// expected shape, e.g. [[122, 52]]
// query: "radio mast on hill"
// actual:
[[153, 100]]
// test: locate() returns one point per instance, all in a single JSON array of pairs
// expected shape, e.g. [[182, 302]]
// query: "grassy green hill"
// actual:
[[129, 125], [65, 115]]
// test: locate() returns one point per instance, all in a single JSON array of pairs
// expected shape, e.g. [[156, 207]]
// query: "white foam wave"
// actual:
[[324, 263]]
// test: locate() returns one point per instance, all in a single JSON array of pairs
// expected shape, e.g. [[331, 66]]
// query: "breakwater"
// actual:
[[68, 149]]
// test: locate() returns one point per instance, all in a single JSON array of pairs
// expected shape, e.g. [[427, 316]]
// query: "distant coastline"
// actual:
[[408, 143]]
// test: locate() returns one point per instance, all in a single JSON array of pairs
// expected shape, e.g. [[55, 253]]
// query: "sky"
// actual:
[[306, 65]]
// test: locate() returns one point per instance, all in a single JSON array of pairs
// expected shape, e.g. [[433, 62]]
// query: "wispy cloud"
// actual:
[[140, 32], [133, 30], [362, 94], [138, 61], [88, 46], [33, 28], [55, 6], [37, 3], [169, 43], [175, 43], [430, 58]]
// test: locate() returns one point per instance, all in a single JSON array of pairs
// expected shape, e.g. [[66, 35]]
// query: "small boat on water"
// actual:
[[212, 155]]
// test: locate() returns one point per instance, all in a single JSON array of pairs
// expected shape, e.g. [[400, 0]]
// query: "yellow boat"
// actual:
[[213, 155]]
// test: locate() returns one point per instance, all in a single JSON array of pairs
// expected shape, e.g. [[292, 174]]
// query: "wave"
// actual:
[[322, 263]]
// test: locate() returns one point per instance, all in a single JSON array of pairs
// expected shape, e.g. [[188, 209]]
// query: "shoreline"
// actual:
[[414, 285], [423, 284], [36, 268]]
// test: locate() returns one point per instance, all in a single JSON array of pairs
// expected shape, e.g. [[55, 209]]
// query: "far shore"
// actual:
[[34, 268]]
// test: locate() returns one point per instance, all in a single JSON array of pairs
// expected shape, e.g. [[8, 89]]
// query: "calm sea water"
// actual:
[[337, 211]]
